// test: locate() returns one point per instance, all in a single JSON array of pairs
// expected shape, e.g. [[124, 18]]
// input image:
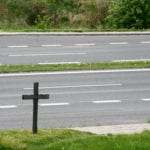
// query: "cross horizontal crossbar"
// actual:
[[40, 96]]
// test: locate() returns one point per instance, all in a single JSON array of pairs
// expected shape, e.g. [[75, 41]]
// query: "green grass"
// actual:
[[14, 28], [64, 139], [68, 67]]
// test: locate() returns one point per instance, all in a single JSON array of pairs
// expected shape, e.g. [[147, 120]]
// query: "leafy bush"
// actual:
[[35, 10], [129, 14]]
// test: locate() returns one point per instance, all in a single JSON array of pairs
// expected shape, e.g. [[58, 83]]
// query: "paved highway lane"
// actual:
[[83, 98], [73, 49]]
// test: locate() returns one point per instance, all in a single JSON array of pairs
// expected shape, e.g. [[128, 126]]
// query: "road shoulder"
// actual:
[[115, 129]]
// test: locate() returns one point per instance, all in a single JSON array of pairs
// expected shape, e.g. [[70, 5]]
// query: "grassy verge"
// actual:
[[14, 28], [68, 67], [61, 139]]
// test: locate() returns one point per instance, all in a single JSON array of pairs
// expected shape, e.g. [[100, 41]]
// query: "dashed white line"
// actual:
[[55, 54], [18, 46], [53, 63], [145, 99], [54, 104], [56, 45], [130, 60], [145, 42], [75, 86], [86, 44], [8, 106], [107, 101], [118, 43]]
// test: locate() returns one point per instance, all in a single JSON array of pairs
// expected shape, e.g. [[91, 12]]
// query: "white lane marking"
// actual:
[[56, 45], [75, 86], [86, 44], [54, 104], [130, 60], [118, 43], [145, 99], [145, 42], [53, 63], [18, 46], [72, 72], [8, 106], [55, 54], [107, 101]]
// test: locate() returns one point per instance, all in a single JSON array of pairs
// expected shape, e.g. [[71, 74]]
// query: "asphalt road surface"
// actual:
[[80, 98], [73, 49]]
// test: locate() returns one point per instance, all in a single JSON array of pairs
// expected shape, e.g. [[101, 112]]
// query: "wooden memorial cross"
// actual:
[[36, 96]]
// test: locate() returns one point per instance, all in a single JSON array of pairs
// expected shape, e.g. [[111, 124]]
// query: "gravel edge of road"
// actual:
[[115, 129], [74, 33]]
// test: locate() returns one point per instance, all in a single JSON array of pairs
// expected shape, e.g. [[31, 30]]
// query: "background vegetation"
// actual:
[[74, 14]]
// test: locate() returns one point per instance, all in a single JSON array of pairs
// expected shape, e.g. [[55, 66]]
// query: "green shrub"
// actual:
[[35, 10], [129, 14]]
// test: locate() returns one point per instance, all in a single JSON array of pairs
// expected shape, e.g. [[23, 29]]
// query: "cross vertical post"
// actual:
[[36, 96], [35, 107]]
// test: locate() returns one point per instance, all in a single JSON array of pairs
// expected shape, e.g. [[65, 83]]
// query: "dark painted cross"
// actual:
[[36, 96]]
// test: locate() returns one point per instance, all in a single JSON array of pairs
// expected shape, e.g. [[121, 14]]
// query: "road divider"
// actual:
[[77, 68]]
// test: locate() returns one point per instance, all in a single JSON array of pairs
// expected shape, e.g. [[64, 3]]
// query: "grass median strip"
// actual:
[[65, 139], [69, 67]]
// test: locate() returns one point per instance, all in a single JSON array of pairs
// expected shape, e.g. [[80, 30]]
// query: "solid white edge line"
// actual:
[[106, 101], [73, 72], [55, 63], [8, 106], [54, 104], [130, 60], [76, 86]]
